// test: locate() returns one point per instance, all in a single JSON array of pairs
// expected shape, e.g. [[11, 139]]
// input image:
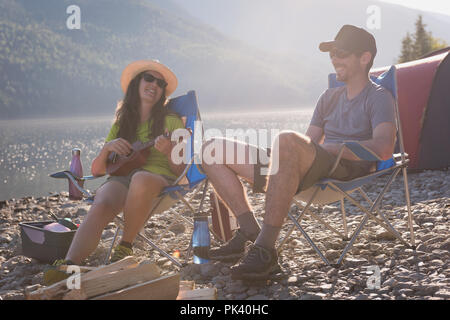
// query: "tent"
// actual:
[[423, 88]]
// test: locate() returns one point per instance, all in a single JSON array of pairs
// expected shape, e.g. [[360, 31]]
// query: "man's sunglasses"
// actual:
[[150, 78], [339, 53]]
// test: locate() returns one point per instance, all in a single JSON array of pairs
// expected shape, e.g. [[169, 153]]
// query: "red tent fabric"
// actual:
[[415, 80]]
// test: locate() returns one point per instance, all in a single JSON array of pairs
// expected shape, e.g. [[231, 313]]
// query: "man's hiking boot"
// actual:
[[121, 252], [258, 264], [233, 249]]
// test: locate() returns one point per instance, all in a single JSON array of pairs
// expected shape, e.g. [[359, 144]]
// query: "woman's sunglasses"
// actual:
[[339, 53], [150, 78]]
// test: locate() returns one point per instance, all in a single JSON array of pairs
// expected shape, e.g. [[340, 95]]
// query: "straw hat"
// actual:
[[136, 67]]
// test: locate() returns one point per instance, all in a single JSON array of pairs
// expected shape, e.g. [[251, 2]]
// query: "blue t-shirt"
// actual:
[[353, 120]]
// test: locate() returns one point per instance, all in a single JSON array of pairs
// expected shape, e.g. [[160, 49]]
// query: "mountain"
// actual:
[[237, 54], [297, 27], [49, 70]]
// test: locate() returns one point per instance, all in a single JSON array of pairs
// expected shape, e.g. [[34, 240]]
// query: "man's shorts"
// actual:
[[126, 180], [322, 164]]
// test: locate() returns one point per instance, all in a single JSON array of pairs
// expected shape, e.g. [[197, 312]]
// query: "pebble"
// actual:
[[292, 280], [178, 228], [81, 212], [444, 293], [311, 297], [108, 234], [406, 292], [208, 270], [252, 291], [353, 262], [332, 273], [332, 254], [225, 271], [258, 297], [326, 287], [422, 247], [405, 273], [385, 235], [5, 238], [236, 287], [241, 296]]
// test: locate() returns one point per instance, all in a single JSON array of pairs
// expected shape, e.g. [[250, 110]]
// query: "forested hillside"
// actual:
[[48, 70]]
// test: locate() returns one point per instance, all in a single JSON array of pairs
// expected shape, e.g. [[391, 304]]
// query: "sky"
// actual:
[[440, 6]]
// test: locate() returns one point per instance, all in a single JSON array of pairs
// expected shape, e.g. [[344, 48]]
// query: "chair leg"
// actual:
[[344, 219], [369, 212], [352, 240], [309, 239], [219, 215], [178, 215], [185, 202], [362, 224], [154, 246], [327, 225], [119, 222], [408, 205], [297, 220], [388, 226], [112, 245], [215, 238], [165, 231]]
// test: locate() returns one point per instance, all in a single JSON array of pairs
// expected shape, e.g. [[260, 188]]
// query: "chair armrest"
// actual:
[[65, 175], [74, 179], [91, 177], [362, 152], [358, 150]]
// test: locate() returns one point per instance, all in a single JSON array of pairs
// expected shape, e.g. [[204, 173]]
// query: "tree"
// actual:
[[437, 43], [407, 49], [420, 44], [422, 39]]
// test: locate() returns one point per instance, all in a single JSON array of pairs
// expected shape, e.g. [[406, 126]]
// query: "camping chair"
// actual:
[[188, 182], [329, 191]]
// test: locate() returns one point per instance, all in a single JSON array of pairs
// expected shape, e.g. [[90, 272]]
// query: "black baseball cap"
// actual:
[[352, 39]]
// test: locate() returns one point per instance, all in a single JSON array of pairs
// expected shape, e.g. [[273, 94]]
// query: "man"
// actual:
[[359, 111]]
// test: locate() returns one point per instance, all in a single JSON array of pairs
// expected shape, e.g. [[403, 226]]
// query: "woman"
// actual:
[[142, 116]]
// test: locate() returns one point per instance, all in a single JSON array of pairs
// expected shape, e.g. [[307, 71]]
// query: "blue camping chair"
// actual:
[[189, 181], [329, 191]]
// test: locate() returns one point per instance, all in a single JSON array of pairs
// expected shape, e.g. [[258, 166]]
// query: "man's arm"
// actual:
[[382, 143], [315, 133]]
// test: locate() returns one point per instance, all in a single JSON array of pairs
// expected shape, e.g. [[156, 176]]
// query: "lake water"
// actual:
[[32, 149]]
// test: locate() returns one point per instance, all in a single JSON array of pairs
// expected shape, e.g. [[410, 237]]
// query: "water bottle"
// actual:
[[77, 170], [201, 240]]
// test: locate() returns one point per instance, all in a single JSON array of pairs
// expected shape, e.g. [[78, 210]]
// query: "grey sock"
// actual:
[[268, 236], [248, 225]]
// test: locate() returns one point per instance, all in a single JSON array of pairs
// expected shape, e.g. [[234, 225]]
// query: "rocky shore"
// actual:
[[405, 273]]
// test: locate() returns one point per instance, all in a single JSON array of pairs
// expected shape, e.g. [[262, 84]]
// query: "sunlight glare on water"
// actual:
[[30, 150]]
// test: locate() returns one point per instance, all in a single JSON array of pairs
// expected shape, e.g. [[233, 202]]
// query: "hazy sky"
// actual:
[[440, 6]]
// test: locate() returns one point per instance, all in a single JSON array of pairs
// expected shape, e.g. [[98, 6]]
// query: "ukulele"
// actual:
[[118, 165]]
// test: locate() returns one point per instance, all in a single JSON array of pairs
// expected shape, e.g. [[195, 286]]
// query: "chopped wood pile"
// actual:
[[123, 280]]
